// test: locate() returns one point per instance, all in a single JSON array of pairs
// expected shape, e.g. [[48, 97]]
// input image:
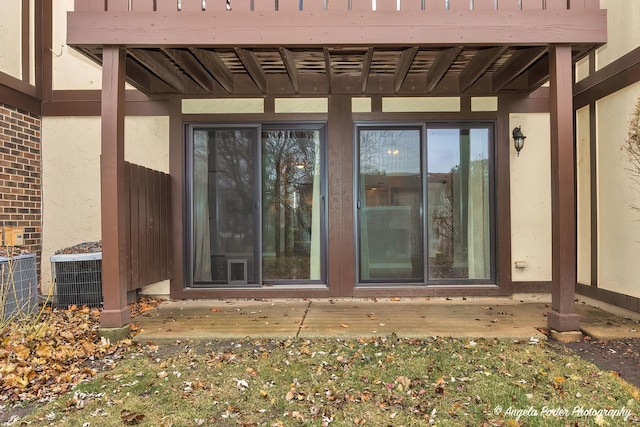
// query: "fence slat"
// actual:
[[556, 4], [264, 5], [410, 4], [508, 5], [288, 5], [150, 224], [386, 5], [532, 4], [312, 5], [142, 226], [361, 5], [435, 5], [191, 5], [164, 227], [166, 5], [459, 5], [484, 4], [338, 5], [142, 6], [134, 186], [127, 223], [155, 202], [118, 5], [237, 6], [96, 5]]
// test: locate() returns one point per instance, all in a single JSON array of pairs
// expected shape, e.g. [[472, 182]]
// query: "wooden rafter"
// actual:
[[406, 59], [194, 69], [538, 74], [327, 66], [216, 67], [441, 65], [160, 66], [147, 82], [253, 67], [289, 61], [338, 70], [478, 65], [366, 65], [516, 65]]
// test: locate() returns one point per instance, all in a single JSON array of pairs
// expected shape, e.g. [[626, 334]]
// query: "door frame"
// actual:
[[259, 127]]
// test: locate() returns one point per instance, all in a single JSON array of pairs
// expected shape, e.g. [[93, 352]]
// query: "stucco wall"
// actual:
[[10, 34], [618, 224], [623, 21], [531, 199], [70, 69], [71, 175], [583, 171]]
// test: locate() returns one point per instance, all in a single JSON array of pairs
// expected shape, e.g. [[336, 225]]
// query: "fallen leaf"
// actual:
[[131, 418], [404, 381]]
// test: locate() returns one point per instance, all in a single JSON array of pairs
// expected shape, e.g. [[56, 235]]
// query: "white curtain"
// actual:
[[201, 231], [314, 255], [478, 214]]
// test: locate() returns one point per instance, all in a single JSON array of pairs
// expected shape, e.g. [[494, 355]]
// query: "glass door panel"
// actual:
[[390, 205], [459, 214], [224, 205], [291, 205]]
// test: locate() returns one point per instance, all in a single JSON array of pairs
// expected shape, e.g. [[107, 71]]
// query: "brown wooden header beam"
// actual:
[[328, 28]]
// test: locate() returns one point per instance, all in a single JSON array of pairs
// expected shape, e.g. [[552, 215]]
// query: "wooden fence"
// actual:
[[149, 225], [318, 5]]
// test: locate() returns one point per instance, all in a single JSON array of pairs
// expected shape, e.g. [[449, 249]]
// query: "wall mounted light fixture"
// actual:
[[518, 139]]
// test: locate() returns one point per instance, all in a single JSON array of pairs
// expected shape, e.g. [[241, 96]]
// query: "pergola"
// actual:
[[294, 48]]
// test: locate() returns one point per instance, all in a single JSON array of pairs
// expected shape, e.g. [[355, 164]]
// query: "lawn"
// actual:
[[377, 381]]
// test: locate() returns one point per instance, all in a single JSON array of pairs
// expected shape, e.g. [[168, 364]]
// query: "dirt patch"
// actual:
[[621, 356]]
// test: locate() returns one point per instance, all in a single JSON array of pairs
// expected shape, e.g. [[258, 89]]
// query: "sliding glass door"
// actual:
[[291, 205], [459, 203], [424, 204], [390, 205], [256, 209], [224, 202]]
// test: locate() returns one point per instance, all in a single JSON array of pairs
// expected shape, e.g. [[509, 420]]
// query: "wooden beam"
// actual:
[[160, 66], [538, 74], [327, 67], [115, 248], [194, 69], [253, 67], [330, 28], [145, 81], [406, 59], [216, 67], [562, 316], [441, 65], [366, 66], [621, 73], [516, 65], [478, 65], [290, 64]]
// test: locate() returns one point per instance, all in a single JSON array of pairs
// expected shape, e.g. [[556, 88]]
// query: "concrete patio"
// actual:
[[503, 318]]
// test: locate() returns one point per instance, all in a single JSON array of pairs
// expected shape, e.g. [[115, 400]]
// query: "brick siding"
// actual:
[[21, 176]]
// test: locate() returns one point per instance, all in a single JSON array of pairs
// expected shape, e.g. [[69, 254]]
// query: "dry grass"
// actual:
[[375, 382]]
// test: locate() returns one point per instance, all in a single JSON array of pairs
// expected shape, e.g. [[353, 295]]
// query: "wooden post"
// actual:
[[114, 204], [563, 317]]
